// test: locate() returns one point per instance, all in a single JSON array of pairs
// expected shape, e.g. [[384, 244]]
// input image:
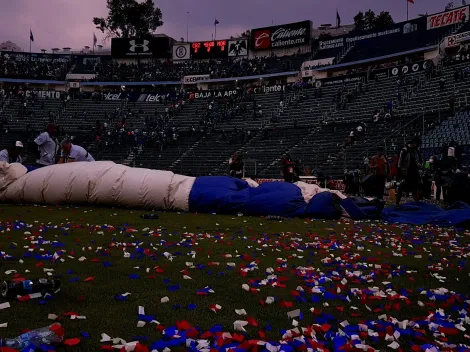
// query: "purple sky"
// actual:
[[61, 23]]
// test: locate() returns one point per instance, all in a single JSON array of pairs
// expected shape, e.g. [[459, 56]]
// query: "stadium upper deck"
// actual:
[[277, 51]]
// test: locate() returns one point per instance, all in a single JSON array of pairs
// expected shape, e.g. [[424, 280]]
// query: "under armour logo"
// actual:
[[144, 45]]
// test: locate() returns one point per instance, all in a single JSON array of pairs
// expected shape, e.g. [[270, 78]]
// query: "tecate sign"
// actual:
[[448, 18], [293, 34]]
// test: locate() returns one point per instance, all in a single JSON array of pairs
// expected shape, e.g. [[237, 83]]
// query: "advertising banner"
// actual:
[[448, 18], [312, 64], [214, 94], [462, 37], [195, 78], [33, 57], [157, 47], [44, 94], [283, 36], [181, 51], [409, 68], [333, 81], [238, 47], [395, 30], [138, 97], [457, 39]]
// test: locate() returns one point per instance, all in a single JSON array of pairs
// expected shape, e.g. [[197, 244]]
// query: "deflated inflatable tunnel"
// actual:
[[107, 183]]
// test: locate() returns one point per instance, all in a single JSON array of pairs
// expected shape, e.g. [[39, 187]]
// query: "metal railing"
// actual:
[[398, 132]]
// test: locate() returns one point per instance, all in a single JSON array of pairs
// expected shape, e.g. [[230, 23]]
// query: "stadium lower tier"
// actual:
[[107, 183]]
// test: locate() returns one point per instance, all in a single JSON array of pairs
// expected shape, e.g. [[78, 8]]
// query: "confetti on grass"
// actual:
[[333, 286]]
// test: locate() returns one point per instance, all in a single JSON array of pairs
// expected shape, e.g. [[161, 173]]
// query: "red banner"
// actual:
[[448, 18]]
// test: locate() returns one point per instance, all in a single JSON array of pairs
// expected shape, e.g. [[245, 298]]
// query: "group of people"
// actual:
[[10, 67], [413, 175], [45, 148], [110, 70]]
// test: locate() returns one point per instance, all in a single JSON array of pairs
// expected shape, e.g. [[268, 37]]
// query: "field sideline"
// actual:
[[111, 261]]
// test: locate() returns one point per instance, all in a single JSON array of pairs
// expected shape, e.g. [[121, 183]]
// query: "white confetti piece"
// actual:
[[140, 324], [293, 313], [5, 305], [240, 311], [238, 325], [141, 310], [269, 300], [52, 317], [164, 300], [394, 345], [4, 325], [105, 338]]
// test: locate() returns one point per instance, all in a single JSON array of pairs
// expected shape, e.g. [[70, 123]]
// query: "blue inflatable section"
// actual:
[[226, 195], [420, 213]]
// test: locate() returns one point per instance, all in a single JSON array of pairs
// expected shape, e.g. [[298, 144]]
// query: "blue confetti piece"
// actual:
[[75, 279], [120, 298], [146, 318], [134, 276], [192, 306], [216, 328], [85, 335], [106, 264], [173, 288]]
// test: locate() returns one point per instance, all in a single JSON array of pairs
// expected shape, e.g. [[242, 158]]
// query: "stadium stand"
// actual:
[[189, 131]]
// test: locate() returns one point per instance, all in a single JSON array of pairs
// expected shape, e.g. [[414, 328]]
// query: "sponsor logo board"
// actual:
[[238, 47], [214, 94], [447, 18], [195, 79], [287, 35], [181, 51], [157, 47], [340, 42]]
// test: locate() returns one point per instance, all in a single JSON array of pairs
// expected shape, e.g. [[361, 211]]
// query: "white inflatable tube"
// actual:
[[100, 182]]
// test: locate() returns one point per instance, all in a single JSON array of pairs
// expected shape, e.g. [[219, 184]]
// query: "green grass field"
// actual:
[[181, 253]]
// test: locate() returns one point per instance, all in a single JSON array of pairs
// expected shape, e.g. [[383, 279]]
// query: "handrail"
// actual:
[[392, 134]]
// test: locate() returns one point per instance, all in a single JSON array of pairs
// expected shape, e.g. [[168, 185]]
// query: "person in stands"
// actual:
[[380, 168], [445, 170], [46, 144], [289, 169], [409, 166], [236, 165], [71, 153], [12, 154]]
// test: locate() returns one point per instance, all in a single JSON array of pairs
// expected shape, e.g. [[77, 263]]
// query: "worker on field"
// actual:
[[12, 154], [45, 146], [71, 153]]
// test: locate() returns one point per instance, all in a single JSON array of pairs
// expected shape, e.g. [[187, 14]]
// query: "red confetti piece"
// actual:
[[7, 349], [72, 342], [88, 279], [68, 314], [141, 348], [58, 330]]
